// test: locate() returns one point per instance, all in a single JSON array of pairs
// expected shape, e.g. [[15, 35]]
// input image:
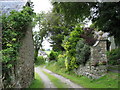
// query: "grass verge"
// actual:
[[48, 52], [37, 83], [55, 81], [110, 80]]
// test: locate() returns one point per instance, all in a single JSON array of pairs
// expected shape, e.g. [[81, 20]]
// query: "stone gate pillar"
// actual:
[[98, 52], [99, 57], [25, 64]]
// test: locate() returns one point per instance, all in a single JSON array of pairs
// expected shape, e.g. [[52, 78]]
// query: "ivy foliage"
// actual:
[[13, 30]]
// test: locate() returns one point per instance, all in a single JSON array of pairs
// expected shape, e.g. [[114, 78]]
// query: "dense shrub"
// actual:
[[53, 56], [69, 44], [82, 52], [113, 56], [40, 60], [61, 60], [77, 50]]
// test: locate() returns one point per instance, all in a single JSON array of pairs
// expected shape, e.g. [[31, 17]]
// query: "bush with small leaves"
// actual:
[[113, 57], [82, 52], [61, 60]]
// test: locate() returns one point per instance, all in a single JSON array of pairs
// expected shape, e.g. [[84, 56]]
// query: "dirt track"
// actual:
[[49, 84]]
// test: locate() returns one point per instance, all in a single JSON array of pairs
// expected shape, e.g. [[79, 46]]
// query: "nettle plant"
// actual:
[[13, 30]]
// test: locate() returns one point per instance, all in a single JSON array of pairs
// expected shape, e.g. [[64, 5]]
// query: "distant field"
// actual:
[[48, 52]]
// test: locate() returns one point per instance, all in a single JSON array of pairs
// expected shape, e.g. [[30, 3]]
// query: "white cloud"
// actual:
[[46, 45], [42, 5]]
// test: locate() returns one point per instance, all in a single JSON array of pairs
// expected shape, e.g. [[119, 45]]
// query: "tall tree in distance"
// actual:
[[55, 28], [37, 43], [38, 36]]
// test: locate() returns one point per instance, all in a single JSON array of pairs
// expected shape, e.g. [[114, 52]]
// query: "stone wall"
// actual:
[[91, 71], [98, 52], [96, 66], [24, 69]]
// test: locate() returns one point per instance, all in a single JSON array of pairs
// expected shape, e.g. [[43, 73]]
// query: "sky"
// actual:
[[42, 5]]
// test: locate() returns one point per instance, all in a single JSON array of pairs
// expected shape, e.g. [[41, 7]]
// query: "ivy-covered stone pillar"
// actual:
[[25, 63]]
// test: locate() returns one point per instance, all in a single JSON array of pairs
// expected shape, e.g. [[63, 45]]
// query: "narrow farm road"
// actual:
[[63, 79], [45, 79]]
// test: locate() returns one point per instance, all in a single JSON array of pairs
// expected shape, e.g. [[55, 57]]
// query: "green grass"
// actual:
[[110, 80], [37, 83], [48, 52], [114, 67], [55, 81], [103, 82]]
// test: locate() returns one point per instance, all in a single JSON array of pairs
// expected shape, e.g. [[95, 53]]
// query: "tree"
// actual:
[[105, 15], [69, 44], [108, 19], [88, 36], [56, 29], [74, 12], [38, 36], [37, 43]]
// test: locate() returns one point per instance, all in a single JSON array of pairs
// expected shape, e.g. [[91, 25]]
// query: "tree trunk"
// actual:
[[36, 54]]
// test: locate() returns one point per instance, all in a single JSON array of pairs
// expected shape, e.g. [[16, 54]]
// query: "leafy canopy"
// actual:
[[105, 15]]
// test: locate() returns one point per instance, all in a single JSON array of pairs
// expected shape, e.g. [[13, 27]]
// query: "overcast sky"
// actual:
[[42, 5]]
